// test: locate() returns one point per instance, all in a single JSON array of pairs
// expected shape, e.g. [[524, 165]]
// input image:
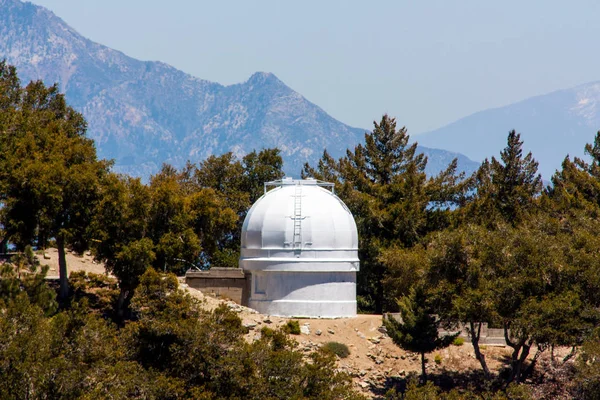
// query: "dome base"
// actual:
[[304, 294], [305, 309]]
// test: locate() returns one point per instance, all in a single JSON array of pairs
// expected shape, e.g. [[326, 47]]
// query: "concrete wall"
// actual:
[[229, 283], [489, 336]]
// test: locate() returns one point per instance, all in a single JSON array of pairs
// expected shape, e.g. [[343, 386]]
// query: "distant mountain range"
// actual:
[[144, 113], [551, 126]]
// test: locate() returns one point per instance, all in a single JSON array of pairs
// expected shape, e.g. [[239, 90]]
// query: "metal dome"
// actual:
[[300, 220], [300, 251]]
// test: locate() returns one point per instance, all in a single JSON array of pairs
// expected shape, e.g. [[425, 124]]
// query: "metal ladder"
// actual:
[[297, 241]]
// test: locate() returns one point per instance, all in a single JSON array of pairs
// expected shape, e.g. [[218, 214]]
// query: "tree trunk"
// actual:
[[529, 370], [514, 362], [475, 342], [423, 368], [379, 296], [122, 303], [517, 375], [4, 245], [63, 292]]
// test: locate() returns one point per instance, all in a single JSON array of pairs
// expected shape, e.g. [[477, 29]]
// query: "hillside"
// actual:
[[375, 362], [551, 125], [145, 113]]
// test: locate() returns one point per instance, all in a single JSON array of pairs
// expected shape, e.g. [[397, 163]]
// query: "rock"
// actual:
[[403, 357], [46, 256], [363, 384], [250, 325], [382, 329], [378, 361], [267, 320], [360, 335], [305, 329], [318, 332], [374, 340], [331, 331], [362, 372]]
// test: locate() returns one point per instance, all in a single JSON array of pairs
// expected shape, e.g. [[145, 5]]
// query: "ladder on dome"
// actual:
[[297, 241]]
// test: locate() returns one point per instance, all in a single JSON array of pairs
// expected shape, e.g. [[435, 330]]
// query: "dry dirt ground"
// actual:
[[374, 360], [74, 262]]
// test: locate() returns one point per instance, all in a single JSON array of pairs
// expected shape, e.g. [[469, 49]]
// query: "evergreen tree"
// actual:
[[418, 329], [460, 281], [577, 184], [384, 185], [506, 188], [49, 171]]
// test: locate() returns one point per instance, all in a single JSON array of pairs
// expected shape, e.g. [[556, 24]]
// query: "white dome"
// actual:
[[300, 220], [300, 250]]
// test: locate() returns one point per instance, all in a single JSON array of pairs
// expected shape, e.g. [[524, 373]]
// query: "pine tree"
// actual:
[[418, 329], [49, 172], [383, 183], [506, 188]]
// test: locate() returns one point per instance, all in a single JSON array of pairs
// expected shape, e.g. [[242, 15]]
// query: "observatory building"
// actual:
[[300, 251]]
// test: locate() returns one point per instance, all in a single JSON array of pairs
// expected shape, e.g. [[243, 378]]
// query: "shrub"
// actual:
[[437, 359], [337, 348], [292, 327], [458, 341]]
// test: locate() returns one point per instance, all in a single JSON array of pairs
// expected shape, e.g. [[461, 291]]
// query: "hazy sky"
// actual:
[[426, 62]]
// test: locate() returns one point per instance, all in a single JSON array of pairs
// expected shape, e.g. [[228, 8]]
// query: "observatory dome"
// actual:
[[300, 246]]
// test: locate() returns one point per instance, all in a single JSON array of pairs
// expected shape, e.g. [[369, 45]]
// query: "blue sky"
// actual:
[[427, 63]]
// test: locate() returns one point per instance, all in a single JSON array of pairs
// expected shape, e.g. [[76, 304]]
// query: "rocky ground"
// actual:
[[375, 362]]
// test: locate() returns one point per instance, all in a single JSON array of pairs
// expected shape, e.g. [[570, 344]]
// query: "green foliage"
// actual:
[[100, 291], [48, 168], [438, 358], [491, 248], [506, 188], [337, 348], [182, 219], [588, 368], [458, 341], [292, 327], [417, 330], [172, 350], [23, 275], [384, 185]]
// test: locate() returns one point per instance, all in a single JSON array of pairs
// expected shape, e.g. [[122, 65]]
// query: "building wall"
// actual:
[[330, 294], [228, 283]]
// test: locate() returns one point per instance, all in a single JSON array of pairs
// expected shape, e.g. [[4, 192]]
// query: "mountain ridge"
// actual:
[[145, 113], [552, 126]]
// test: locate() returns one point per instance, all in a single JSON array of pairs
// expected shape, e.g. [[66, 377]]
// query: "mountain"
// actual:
[[551, 126], [145, 113]]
